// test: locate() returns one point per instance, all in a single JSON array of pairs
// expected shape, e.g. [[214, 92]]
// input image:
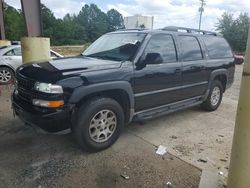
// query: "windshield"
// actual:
[[116, 46]]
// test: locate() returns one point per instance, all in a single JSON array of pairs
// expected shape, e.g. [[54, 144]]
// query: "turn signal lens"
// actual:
[[49, 104], [54, 104]]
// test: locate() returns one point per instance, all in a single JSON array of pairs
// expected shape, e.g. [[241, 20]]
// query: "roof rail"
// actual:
[[137, 29], [189, 30]]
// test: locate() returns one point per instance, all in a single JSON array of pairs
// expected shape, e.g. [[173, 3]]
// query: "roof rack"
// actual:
[[189, 30], [136, 29]]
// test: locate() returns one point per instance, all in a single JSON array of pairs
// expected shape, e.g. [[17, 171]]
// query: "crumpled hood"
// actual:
[[52, 70]]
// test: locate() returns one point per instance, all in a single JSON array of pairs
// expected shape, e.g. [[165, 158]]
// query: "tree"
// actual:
[[242, 24], [14, 23], [235, 30], [48, 22], [142, 26], [87, 26], [115, 20], [94, 20]]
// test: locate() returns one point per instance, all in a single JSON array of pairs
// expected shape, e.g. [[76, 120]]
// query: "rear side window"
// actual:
[[163, 44], [217, 47], [190, 47]]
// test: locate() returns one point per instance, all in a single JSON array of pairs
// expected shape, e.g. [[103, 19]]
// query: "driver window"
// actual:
[[14, 52], [10, 53], [164, 45]]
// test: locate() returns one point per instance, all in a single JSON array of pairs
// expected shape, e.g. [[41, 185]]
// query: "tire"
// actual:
[[7, 75], [99, 115], [214, 98]]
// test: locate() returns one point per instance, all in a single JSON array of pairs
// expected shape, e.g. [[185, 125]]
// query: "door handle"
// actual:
[[8, 58], [177, 70]]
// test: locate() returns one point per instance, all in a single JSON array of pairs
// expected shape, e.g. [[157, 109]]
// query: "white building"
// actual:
[[139, 21]]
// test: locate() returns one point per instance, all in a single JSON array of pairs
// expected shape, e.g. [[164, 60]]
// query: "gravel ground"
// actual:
[[201, 139], [30, 159]]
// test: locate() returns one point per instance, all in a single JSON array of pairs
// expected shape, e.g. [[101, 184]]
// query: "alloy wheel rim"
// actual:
[[215, 96], [102, 125], [5, 76]]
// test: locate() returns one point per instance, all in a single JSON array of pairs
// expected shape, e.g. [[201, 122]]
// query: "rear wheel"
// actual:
[[6, 75], [214, 98], [99, 124]]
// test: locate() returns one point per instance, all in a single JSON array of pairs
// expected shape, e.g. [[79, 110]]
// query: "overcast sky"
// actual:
[[166, 12]]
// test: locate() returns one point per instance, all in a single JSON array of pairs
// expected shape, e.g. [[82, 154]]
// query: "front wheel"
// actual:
[[214, 98], [99, 124], [6, 75]]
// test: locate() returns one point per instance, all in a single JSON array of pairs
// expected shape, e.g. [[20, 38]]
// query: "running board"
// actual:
[[167, 109]]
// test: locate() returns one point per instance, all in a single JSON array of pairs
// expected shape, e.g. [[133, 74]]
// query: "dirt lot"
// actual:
[[30, 159]]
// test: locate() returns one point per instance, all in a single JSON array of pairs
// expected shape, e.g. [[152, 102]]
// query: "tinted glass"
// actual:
[[217, 47], [164, 45], [10, 53], [190, 47], [17, 51], [116, 46]]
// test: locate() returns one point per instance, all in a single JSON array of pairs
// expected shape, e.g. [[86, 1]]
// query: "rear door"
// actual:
[[194, 63], [158, 84]]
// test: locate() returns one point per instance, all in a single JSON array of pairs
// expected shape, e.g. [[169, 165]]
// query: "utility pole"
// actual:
[[201, 10]]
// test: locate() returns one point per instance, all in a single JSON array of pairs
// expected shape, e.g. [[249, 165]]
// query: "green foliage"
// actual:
[[94, 21], [235, 30], [87, 26], [115, 20], [142, 26], [14, 23]]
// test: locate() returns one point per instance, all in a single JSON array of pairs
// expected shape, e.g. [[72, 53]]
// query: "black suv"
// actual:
[[123, 76]]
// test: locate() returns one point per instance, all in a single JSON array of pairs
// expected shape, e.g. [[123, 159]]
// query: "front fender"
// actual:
[[3, 64], [83, 91]]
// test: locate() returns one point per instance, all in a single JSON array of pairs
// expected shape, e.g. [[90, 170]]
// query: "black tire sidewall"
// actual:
[[84, 116], [208, 105]]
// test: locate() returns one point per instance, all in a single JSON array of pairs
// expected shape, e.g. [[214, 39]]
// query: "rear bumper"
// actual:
[[49, 120]]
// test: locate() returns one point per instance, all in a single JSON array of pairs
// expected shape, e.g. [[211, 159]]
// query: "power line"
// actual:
[[201, 10]]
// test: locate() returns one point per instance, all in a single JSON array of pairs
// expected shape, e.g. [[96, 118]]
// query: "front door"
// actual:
[[157, 84], [13, 57]]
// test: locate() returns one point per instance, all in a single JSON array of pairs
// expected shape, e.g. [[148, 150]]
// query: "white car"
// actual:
[[10, 59]]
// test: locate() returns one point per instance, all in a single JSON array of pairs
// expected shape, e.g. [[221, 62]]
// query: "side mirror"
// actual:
[[153, 58]]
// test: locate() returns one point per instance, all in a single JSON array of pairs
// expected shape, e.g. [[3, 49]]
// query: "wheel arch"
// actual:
[[120, 91], [8, 66], [221, 75]]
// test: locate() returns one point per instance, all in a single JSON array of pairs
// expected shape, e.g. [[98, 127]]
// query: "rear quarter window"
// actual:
[[217, 47], [190, 47]]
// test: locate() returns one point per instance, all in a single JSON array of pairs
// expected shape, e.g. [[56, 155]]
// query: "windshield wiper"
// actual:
[[104, 57]]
